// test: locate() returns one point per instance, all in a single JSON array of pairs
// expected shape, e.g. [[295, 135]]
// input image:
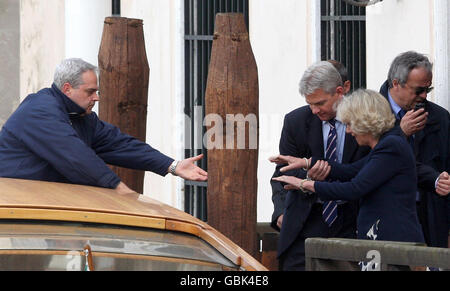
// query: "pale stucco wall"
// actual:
[[442, 60], [283, 37], [32, 44], [41, 43], [84, 28], [394, 27], [163, 32], [397, 26]]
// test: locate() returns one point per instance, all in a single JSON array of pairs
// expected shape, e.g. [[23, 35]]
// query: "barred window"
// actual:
[[343, 38]]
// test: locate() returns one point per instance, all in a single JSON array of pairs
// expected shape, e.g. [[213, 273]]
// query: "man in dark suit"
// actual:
[[427, 129], [304, 134]]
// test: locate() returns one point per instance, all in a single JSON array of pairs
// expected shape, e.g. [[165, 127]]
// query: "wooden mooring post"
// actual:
[[232, 116], [124, 80]]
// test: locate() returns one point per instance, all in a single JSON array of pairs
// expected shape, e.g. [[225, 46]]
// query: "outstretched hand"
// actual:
[[292, 162], [187, 169], [320, 171], [294, 183]]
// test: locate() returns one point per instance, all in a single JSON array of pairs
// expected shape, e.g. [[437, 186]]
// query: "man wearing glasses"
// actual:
[[426, 126], [55, 136]]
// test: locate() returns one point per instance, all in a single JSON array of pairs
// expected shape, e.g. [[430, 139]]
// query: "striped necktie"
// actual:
[[401, 113], [329, 212]]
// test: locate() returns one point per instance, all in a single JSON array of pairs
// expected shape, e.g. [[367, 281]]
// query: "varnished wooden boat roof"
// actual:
[[37, 200]]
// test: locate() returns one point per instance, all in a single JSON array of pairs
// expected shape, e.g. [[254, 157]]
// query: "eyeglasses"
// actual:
[[420, 90]]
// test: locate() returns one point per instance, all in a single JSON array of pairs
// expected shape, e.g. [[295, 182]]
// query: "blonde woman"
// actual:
[[385, 181]]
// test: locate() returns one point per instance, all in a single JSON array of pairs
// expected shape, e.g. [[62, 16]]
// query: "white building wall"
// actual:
[[283, 37], [52, 30], [41, 43], [394, 27], [84, 28], [442, 61]]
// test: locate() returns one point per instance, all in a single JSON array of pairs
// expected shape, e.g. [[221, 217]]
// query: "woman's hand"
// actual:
[[294, 183], [320, 171], [292, 162]]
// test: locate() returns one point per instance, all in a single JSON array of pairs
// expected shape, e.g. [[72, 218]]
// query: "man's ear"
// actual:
[[66, 88], [340, 90], [395, 83], [347, 85]]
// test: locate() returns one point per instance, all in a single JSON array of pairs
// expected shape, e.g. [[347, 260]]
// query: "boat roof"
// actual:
[[39, 200]]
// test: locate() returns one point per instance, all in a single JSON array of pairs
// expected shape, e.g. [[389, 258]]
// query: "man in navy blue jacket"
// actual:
[[54, 136]]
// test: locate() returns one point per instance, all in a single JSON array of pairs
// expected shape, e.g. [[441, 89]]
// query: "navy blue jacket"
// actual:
[[50, 138], [432, 151], [385, 183]]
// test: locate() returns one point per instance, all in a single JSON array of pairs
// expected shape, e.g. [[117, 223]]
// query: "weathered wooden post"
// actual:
[[124, 78], [232, 114]]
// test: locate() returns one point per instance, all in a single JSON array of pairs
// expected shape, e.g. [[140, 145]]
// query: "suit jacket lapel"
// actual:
[[350, 148], [315, 137], [431, 126]]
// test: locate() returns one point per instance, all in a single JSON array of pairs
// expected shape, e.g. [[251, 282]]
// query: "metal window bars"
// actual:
[[343, 38]]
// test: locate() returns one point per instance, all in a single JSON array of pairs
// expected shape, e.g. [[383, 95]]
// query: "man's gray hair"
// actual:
[[71, 71], [321, 75], [404, 63]]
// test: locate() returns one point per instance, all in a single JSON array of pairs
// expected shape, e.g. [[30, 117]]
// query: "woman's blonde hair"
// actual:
[[367, 112]]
